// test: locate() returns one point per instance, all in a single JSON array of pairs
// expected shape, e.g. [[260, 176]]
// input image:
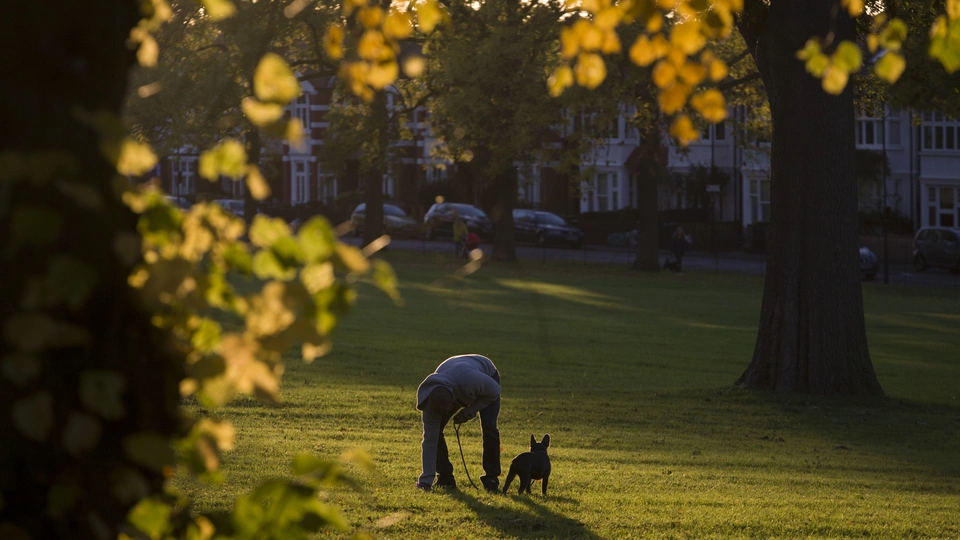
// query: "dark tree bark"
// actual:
[[375, 169], [63, 56], [504, 247], [812, 336], [648, 193]]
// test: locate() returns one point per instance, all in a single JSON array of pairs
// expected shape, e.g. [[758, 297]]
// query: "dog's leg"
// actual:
[[544, 487], [509, 479], [525, 482]]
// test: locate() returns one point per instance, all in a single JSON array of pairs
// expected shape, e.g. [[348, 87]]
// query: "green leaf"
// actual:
[[228, 158], [267, 266], [149, 449], [316, 277], [316, 239], [69, 280], [218, 9], [893, 35], [265, 231], [134, 158], [304, 464], [274, 81], [351, 258], [386, 280], [101, 391], [237, 256], [848, 56], [151, 517], [287, 251], [206, 336], [890, 67]]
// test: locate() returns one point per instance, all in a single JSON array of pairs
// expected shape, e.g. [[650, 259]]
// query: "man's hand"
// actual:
[[462, 417]]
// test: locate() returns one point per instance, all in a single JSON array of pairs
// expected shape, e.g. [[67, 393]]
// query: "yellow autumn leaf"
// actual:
[[687, 37], [667, 4], [660, 46], [854, 7], [382, 74], [569, 42], [148, 51], [953, 9], [809, 50], [664, 73], [893, 35], [257, 184], [835, 79], [642, 52], [711, 105], [674, 97], [693, 73], [333, 42], [817, 65], [655, 23], [413, 66], [293, 134], [848, 56], [676, 56], [350, 5], [890, 67], [611, 43], [560, 80], [607, 18], [259, 113], [218, 9], [428, 15], [588, 35], [683, 131], [135, 158], [372, 47], [873, 43], [274, 81], [370, 17], [590, 71], [398, 25]]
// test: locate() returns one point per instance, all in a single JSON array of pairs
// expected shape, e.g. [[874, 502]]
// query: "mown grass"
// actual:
[[632, 377]]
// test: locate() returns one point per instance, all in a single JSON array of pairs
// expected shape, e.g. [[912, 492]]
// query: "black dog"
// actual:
[[532, 465]]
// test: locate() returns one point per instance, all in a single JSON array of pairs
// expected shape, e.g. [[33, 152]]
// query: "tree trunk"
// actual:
[[63, 57], [253, 156], [504, 248], [375, 168], [812, 336], [648, 194]]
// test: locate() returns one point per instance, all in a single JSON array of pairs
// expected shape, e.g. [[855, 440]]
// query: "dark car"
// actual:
[[869, 265], [937, 247], [440, 217], [396, 222], [545, 228]]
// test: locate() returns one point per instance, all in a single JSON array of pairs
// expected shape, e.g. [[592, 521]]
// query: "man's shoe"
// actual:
[[446, 483], [424, 487], [491, 485]]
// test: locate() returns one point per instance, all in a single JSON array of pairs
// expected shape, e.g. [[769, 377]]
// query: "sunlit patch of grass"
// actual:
[[649, 438]]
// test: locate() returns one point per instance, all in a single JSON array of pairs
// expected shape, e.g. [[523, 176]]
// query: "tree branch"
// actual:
[[727, 85], [750, 23]]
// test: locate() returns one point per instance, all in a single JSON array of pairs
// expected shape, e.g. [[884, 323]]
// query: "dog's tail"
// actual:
[[510, 476]]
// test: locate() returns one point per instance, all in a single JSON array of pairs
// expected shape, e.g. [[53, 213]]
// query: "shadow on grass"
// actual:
[[537, 521]]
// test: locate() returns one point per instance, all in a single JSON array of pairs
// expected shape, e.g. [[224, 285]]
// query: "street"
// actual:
[[697, 261]]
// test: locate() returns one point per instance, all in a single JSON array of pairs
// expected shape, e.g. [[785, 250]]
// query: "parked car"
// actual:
[[439, 220], [869, 265], [937, 247], [545, 228], [234, 206], [396, 222]]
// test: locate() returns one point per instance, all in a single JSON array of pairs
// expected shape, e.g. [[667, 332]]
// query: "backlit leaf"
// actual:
[[370, 17], [383, 74], [683, 131], [151, 517], [692, 73], [413, 66], [890, 67], [372, 47], [386, 279], [218, 9], [350, 258], [611, 43], [228, 158], [222, 432], [642, 52], [428, 15], [274, 81], [81, 434], [664, 74], [560, 80], [206, 336], [835, 79], [673, 98], [333, 42], [848, 56], [316, 277], [588, 35], [590, 71], [854, 7], [259, 113], [711, 105], [398, 25], [257, 184], [687, 37], [893, 35], [265, 231], [569, 42], [817, 65], [316, 239], [33, 416]]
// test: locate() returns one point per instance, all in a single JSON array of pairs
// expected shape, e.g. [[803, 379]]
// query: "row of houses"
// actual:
[[921, 182]]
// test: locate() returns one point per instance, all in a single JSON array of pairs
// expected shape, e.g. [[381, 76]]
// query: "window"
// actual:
[[869, 131], [943, 206], [301, 110], [940, 132], [893, 127], [760, 198], [301, 187], [606, 192], [185, 175], [714, 132]]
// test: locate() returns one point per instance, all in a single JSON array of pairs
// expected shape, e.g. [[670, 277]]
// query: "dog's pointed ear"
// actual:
[[533, 441], [546, 440]]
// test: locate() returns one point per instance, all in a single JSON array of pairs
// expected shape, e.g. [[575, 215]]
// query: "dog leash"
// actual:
[[456, 429]]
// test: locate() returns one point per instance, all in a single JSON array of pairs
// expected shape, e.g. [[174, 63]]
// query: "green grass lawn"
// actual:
[[632, 375]]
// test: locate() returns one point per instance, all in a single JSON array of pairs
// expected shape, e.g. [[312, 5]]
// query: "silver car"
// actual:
[[937, 247]]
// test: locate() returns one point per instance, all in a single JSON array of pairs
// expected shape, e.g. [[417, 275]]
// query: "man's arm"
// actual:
[[428, 447], [484, 388]]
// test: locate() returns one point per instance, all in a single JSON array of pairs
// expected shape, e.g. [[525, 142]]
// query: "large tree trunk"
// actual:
[[63, 57], [375, 168], [812, 336], [504, 247], [648, 194]]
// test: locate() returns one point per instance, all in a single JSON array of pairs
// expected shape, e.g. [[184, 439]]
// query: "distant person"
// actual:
[[471, 383], [679, 243], [460, 233]]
